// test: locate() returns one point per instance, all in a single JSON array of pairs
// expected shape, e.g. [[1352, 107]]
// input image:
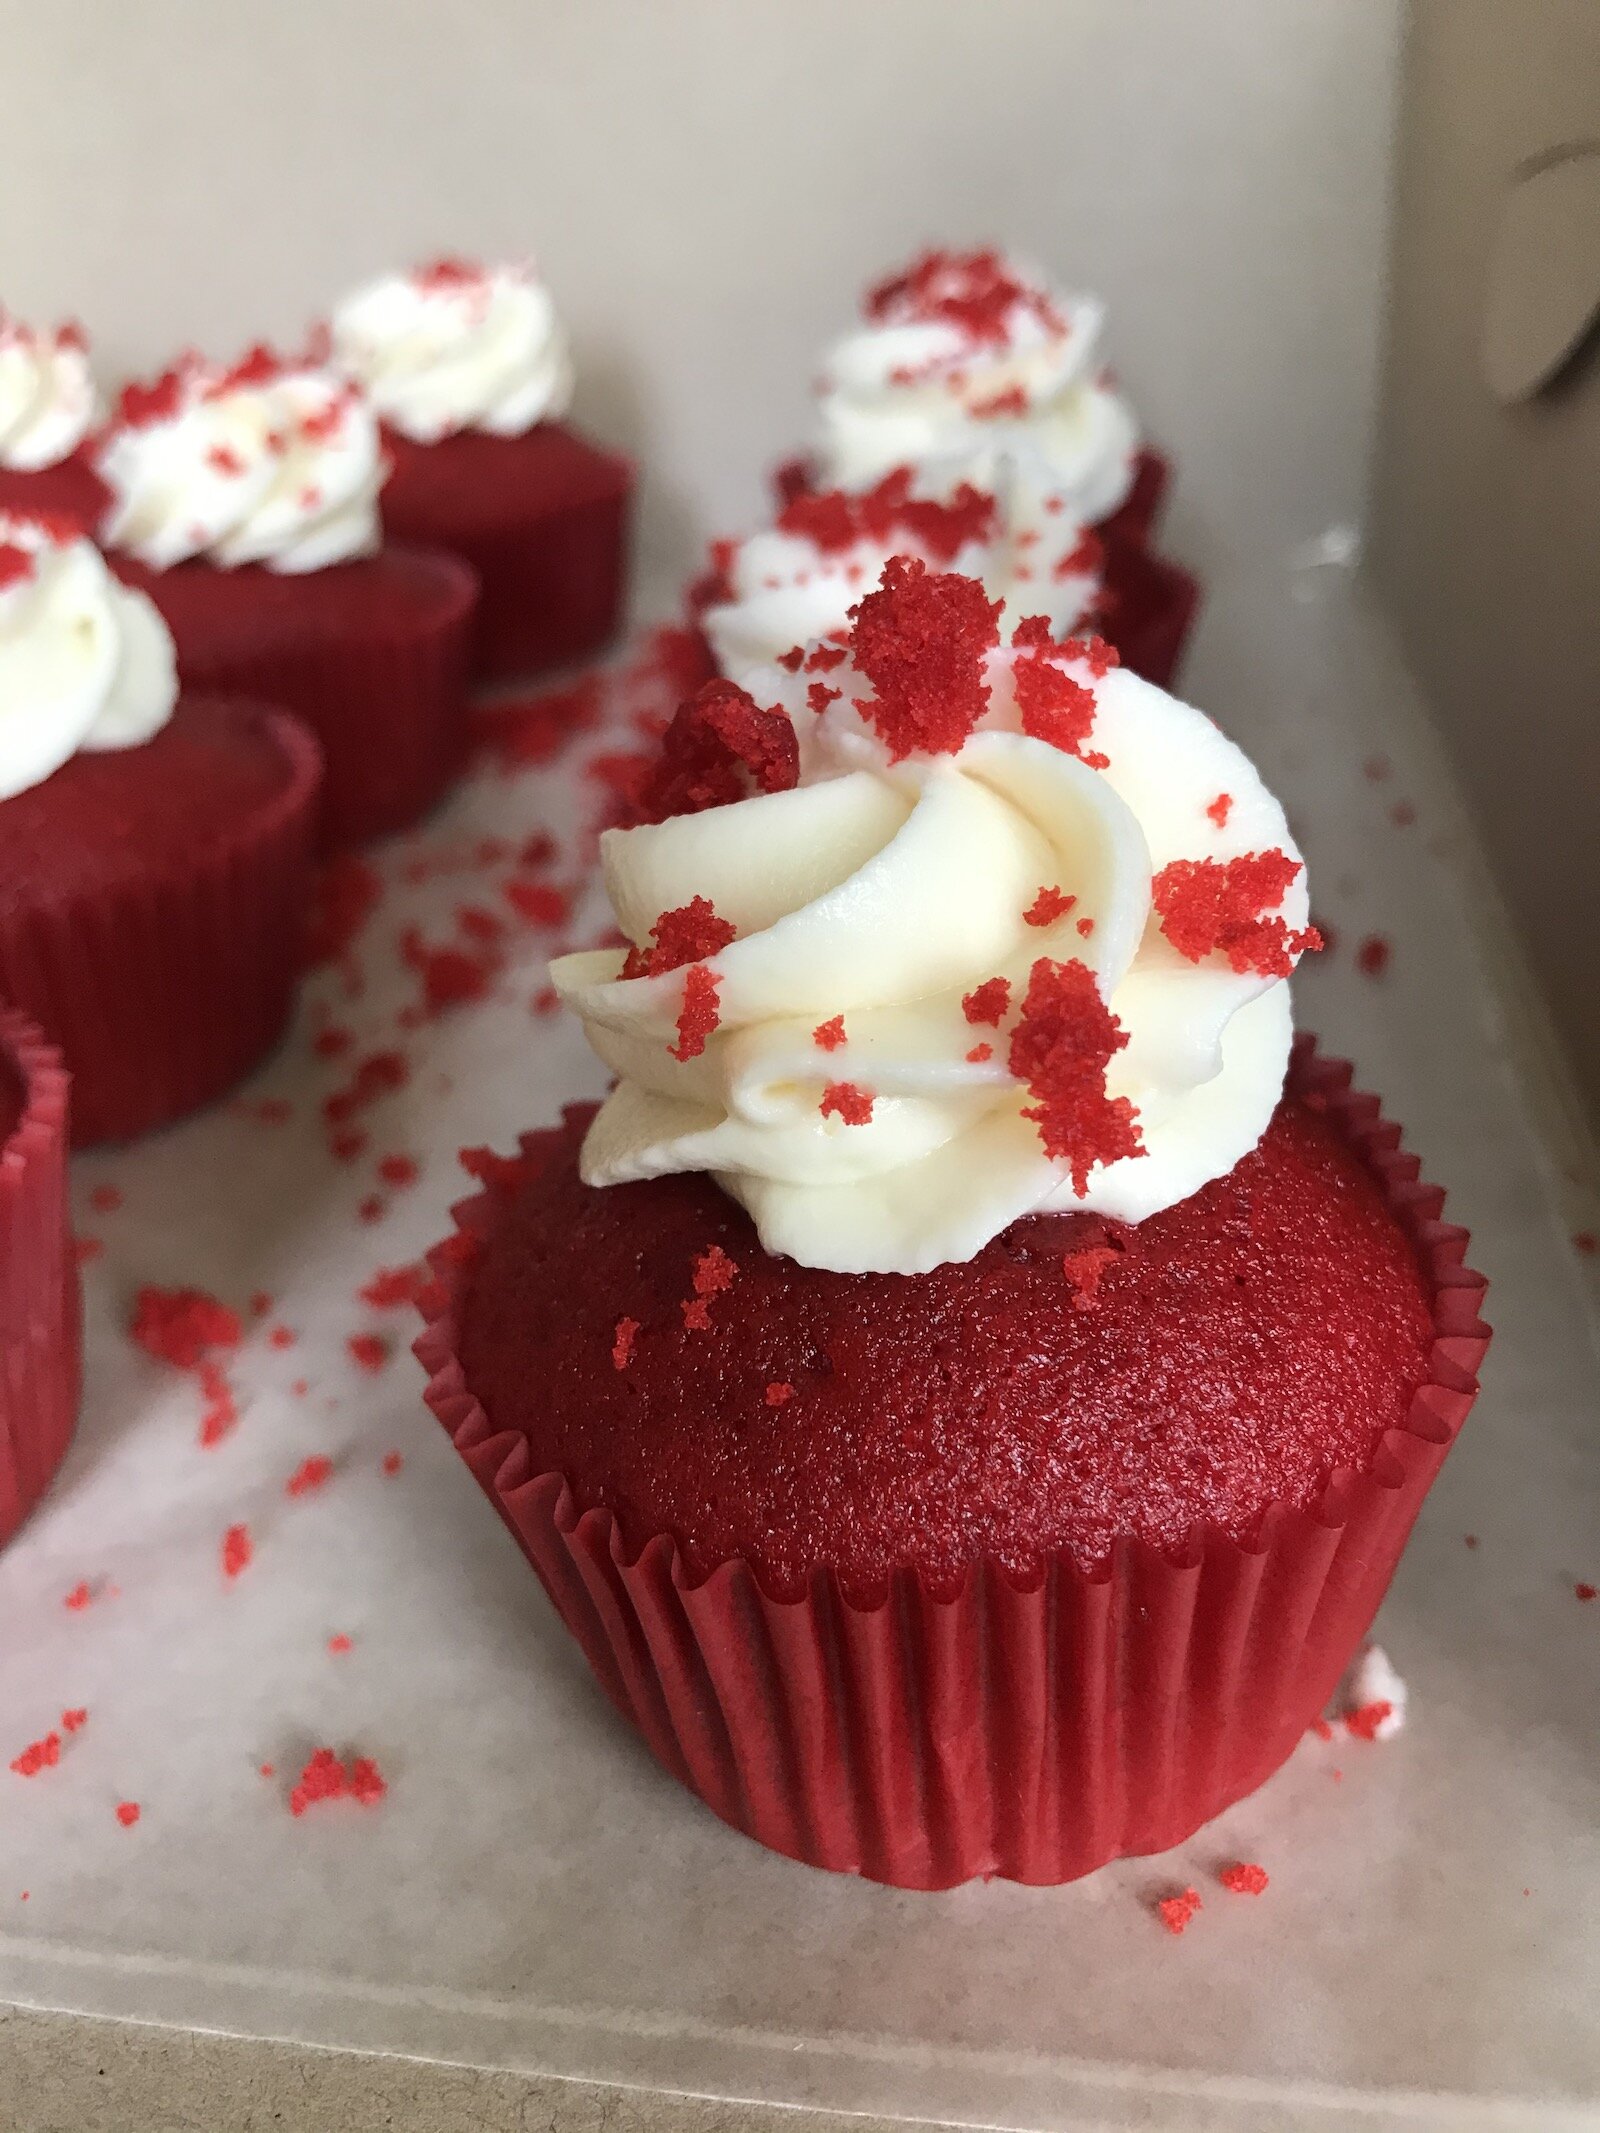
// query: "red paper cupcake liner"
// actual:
[[40, 1351], [1150, 609], [1028, 1729], [166, 991], [71, 491]]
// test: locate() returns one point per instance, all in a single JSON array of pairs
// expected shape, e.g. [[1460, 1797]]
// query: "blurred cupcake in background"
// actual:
[[48, 407], [245, 503], [155, 847], [469, 370]]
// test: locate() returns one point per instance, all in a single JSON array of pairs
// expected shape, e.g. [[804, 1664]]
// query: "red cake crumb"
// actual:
[[311, 1474], [348, 1144], [819, 696], [627, 1333], [696, 1314], [105, 1199], [179, 1326], [393, 1462], [844, 1101], [714, 1272], [1083, 1271], [1010, 400], [686, 935], [721, 746], [1229, 906], [371, 1209], [1220, 809], [541, 903], [1586, 1242], [38, 1755], [1053, 707], [520, 734], [1584, 1591], [1321, 1728], [128, 1812], [1049, 905], [976, 292], [369, 1350], [779, 1394], [376, 1076], [79, 1597], [480, 925], [74, 1721], [988, 1002], [237, 1551], [221, 1410], [1244, 1878], [325, 1777], [451, 976], [332, 1042], [1061, 1047], [281, 1337], [922, 640], [87, 1249], [398, 1170], [340, 1643], [1372, 957], [1085, 927], [834, 520], [828, 1036], [699, 1017], [1175, 1912], [1403, 814], [1365, 1720], [394, 1285], [978, 1054]]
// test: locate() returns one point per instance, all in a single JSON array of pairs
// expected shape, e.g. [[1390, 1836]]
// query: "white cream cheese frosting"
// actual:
[[271, 462], [84, 662], [966, 357], [1013, 942], [47, 396], [453, 346]]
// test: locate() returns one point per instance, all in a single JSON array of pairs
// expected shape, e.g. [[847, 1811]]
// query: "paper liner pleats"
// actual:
[[40, 1366], [1028, 1729]]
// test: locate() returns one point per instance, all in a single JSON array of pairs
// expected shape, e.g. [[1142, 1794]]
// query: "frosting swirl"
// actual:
[[797, 580], [84, 661], [270, 462], [454, 346], [1004, 931], [969, 356], [47, 399]]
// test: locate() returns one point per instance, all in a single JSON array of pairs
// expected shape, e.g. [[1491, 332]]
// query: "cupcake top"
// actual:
[[966, 356], [454, 346], [276, 461], [47, 397], [964, 926], [798, 579], [84, 662]]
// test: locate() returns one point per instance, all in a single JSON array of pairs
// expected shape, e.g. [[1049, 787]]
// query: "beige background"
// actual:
[[708, 182]]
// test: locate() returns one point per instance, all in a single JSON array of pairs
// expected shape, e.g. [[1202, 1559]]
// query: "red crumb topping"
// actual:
[[844, 1101], [339, 1642], [311, 1474], [699, 1016], [1229, 906], [237, 1551], [450, 976], [393, 1462], [622, 1343], [1220, 809], [1052, 706], [1097, 655], [1244, 1878], [332, 1043], [369, 1350], [976, 292], [38, 1755], [828, 1036], [1049, 905], [978, 1054], [72, 1721], [696, 1315], [922, 640], [398, 1170], [1365, 1720], [1372, 957], [370, 1209], [179, 1326], [988, 1002], [16, 564], [541, 903], [714, 1271], [376, 1076], [1584, 1591], [394, 1285], [1013, 400], [834, 520], [79, 1597], [223, 459], [687, 935], [720, 747], [779, 1394], [1083, 1271], [128, 1812], [1064, 1040], [1087, 559], [221, 1410], [819, 696], [1175, 1912], [326, 1778]]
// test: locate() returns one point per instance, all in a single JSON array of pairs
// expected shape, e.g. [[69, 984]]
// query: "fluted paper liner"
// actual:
[[1032, 1729], [40, 1354], [167, 989]]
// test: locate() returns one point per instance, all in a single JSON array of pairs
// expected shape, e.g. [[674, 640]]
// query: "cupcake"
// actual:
[[47, 409], [468, 368], [968, 360], [245, 503], [968, 1385], [155, 849], [40, 1361]]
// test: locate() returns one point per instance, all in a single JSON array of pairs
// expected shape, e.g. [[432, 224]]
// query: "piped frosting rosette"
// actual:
[[47, 396], [961, 929], [968, 357]]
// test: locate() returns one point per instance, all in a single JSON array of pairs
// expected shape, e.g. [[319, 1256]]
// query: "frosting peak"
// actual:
[[84, 661], [455, 346], [47, 399], [986, 943]]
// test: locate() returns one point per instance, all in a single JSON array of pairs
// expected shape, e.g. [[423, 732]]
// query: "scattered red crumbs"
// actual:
[[1061, 1047], [1585, 1591], [1365, 1720], [267, 1770], [221, 1410], [779, 1394], [394, 1285], [478, 924], [237, 1551], [545, 1001], [1321, 1728], [370, 1209], [178, 1326], [699, 1017], [348, 1144], [1212, 905], [532, 729], [696, 1314], [922, 640], [393, 1462], [79, 1597], [38, 1755], [398, 1169], [281, 1337], [828, 1036], [627, 1332], [260, 1303], [714, 1271], [1220, 809], [127, 1812], [1471, 1539], [976, 292], [819, 696], [1585, 1241], [1083, 1271], [978, 1054], [1372, 957], [844, 1101], [1376, 767], [988, 1002], [541, 903], [1049, 905], [1403, 814], [1011, 400], [450, 976], [347, 893], [1085, 927], [86, 1249], [332, 1042], [1244, 1878], [686, 935], [300, 1387], [721, 746], [1175, 1912], [105, 1199], [1053, 706], [74, 1721], [326, 1778], [310, 1474], [376, 1076], [833, 520], [339, 1642], [369, 1350]]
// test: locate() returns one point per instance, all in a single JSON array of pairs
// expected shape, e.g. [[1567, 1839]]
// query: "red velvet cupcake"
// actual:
[[966, 1406], [40, 1356], [155, 851], [245, 505], [47, 408], [468, 368]]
